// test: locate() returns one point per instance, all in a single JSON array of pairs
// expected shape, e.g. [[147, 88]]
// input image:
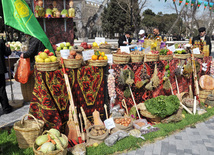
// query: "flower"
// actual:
[[132, 116]]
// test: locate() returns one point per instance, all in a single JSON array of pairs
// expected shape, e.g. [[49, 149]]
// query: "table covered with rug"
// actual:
[[142, 94], [50, 100]]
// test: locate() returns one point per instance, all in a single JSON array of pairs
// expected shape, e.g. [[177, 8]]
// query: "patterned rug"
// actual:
[[50, 100], [142, 94]]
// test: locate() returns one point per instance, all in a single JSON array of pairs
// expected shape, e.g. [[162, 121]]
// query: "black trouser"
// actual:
[[3, 95]]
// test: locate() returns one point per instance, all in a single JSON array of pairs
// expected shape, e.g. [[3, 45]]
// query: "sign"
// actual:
[[99, 40], [147, 50], [196, 51], [109, 123], [172, 48], [110, 58], [125, 49], [87, 54]]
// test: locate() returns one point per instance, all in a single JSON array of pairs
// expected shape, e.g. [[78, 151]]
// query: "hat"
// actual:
[[201, 29], [141, 32], [128, 32]]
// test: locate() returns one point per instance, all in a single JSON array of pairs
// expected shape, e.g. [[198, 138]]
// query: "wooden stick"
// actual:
[[134, 102], [81, 124], [105, 106], [71, 101], [125, 106], [176, 81]]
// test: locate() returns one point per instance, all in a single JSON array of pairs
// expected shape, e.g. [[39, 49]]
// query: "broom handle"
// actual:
[[134, 102], [105, 106], [70, 97]]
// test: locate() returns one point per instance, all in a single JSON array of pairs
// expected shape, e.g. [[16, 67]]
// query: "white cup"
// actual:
[[64, 53]]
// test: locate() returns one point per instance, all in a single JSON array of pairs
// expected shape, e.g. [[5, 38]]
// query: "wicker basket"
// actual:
[[98, 63], [50, 66], [105, 46], [72, 63], [27, 131], [151, 57], [147, 114], [203, 94], [136, 58], [62, 151], [198, 55], [58, 54], [27, 88], [121, 58], [165, 57], [182, 56]]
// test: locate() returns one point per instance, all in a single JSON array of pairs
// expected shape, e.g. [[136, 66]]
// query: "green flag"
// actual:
[[18, 15]]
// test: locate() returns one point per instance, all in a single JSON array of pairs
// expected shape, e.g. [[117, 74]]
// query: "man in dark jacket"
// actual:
[[4, 51], [34, 47], [125, 40], [203, 37]]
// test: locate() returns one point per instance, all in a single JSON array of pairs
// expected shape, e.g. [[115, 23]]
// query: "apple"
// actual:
[[47, 60], [65, 48], [53, 58], [47, 51], [71, 47], [43, 55], [50, 54], [67, 44], [62, 45], [58, 49], [89, 46], [39, 52], [38, 59]]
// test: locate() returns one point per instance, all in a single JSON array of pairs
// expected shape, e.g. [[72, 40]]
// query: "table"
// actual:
[[50, 100]]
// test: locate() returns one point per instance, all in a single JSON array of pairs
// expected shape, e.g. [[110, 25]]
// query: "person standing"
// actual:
[[202, 37], [125, 40], [141, 35], [34, 47], [4, 51]]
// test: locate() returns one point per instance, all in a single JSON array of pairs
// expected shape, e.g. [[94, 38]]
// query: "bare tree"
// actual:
[[83, 29], [141, 4]]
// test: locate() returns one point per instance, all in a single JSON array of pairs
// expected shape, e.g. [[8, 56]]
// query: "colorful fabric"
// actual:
[[18, 15], [142, 94], [50, 99]]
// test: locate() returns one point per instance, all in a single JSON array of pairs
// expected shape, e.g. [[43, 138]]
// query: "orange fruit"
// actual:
[[105, 58], [94, 57], [101, 58]]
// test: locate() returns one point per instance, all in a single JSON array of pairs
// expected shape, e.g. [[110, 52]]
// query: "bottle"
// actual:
[[71, 11], [190, 40]]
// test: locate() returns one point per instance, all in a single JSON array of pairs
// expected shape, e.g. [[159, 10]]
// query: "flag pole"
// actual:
[[11, 87]]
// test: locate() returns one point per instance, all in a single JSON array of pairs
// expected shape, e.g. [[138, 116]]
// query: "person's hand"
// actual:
[[21, 56], [126, 42], [7, 45]]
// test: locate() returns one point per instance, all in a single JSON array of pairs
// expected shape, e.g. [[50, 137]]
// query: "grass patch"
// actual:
[[9, 145]]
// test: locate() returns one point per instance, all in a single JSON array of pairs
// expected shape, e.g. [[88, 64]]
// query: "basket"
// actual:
[[72, 63], [121, 58], [198, 55], [58, 54], [50, 66], [151, 57], [27, 131], [147, 114], [203, 94], [106, 51], [182, 56], [105, 46], [100, 138], [63, 150], [165, 57], [98, 63], [27, 88], [136, 58]]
